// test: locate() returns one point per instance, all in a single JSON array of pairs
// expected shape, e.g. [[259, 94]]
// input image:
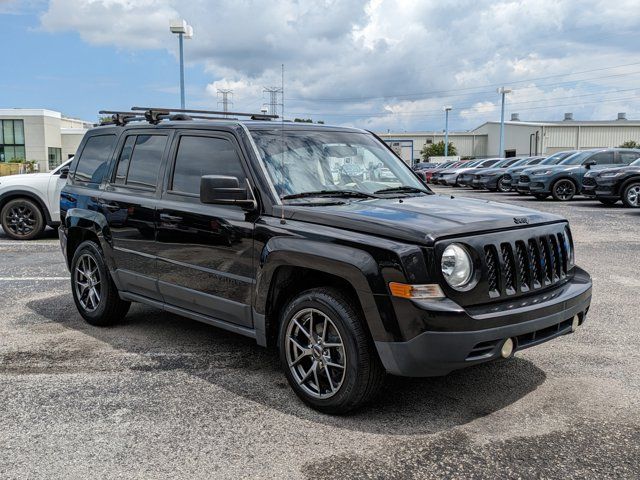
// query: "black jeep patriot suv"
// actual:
[[253, 226]]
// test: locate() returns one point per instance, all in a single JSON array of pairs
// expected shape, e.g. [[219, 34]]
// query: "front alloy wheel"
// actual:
[[502, 188], [326, 352], [315, 353], [564, 190], [631, 195]]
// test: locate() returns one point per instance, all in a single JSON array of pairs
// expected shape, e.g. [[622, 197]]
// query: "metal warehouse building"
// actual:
[[522, 137]]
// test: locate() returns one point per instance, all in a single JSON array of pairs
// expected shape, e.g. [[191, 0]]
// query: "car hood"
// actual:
[[460, 170], [483, 171], [513, 170], [23, 179], [420, 219], [554, 168], [625, 169]]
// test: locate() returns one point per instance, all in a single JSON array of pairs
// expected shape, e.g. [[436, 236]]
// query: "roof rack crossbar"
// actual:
[[210, 112], [121, 118]]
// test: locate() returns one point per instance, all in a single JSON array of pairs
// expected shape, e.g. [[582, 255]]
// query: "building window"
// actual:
[[55, 157], [11, 140]]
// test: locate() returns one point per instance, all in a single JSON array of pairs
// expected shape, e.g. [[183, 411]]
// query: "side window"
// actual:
[[94, 159], [627, 157], [123, 161], [602, 158], [198, 156], [144, 161]]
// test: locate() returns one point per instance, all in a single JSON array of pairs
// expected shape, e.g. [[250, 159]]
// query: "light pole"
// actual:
[[184, 31], [502, 91], [447, 109]]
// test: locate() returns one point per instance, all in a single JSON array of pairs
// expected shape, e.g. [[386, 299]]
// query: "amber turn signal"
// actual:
[[403, 290]]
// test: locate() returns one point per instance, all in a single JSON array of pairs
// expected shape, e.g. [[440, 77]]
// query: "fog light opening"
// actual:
[[575, 323], [507, 348]]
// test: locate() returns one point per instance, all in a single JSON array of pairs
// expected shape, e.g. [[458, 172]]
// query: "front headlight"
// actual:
[[611, 174], [542, 172], [457, 267]]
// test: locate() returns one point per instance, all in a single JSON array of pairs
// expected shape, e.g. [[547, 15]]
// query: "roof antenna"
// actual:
[[282, 220]]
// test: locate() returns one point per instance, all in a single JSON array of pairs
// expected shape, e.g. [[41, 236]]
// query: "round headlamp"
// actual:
[[457, 267]]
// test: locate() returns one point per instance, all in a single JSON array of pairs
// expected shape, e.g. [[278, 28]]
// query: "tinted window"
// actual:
[[198, 156], [628, 157], [145, 160], [123, 162], [93, 162], [602, 158]]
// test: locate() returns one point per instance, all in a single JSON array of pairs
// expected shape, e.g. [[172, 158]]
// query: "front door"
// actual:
[[129, 205], [205, 252]]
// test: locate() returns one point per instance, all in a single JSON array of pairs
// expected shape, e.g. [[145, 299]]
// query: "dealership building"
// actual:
[[45, 136], [522, 137]]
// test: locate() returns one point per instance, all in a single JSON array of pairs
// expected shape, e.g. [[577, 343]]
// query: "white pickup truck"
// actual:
[[30, 202]]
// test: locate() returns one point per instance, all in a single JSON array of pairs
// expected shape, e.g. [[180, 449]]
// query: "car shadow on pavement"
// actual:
[[149, 340]]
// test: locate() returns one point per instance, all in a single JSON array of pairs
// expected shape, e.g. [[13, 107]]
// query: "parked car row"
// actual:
[[605, 174]]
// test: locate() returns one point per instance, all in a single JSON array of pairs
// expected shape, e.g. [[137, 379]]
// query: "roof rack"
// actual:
[[167, 111]]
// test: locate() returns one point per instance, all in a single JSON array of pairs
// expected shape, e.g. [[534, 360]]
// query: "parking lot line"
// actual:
[[30, 279]]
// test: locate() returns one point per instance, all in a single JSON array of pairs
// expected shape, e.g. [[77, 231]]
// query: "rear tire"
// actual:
[[631, 195], [326, 353], [94, 292], [22, 219]]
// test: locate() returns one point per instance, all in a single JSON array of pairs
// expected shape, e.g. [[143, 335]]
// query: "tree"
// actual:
[[306, 120], [630, 144], [437, 150]]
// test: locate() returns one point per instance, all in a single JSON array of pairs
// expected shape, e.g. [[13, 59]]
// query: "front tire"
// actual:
[[631, 195], [94, 292], [326, 353], [22, 219], [563, 190], [502, 188]]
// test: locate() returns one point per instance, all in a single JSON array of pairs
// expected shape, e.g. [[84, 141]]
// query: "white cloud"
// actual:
[[349, 58]]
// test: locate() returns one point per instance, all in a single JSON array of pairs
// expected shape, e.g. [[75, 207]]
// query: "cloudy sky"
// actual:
[[377, 64]]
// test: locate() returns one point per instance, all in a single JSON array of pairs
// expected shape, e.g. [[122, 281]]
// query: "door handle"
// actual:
[[165, 217]]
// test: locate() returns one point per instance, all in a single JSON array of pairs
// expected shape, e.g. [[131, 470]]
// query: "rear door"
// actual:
[[129, 204], [205, 253]]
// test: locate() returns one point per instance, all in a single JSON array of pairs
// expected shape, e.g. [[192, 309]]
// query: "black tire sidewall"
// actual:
[[503, 189], [88, 247], [37, 212], [324, 303]]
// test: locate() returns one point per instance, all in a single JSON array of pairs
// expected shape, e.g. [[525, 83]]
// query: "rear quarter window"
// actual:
[[93, 162]]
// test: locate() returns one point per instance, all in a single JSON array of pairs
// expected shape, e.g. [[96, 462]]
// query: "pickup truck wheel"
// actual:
[[631, 195], [563, 190], [22, 219], [326, 354], [94, 293]]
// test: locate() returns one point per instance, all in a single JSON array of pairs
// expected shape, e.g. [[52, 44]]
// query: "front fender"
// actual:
[[355, 266]]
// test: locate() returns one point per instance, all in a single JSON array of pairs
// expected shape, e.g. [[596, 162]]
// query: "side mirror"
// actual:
[[589, 163], [222, 190], [64, 173]]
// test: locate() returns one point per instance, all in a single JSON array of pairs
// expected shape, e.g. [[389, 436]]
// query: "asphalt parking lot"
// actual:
[[160, 396]]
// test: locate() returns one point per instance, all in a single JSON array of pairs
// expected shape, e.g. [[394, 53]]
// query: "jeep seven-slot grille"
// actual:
[[525, 265]]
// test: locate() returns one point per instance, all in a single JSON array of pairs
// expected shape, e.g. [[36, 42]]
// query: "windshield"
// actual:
[[513, 162], [556, 158], [576, 158], [488, 163], [636, 163], [302, 161]]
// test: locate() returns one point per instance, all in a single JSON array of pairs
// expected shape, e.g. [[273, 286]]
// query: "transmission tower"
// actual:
[[224, 98], [273, 102]]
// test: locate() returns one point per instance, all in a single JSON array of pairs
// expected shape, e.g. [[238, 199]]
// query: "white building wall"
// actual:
[[467, 145], [71, 138]]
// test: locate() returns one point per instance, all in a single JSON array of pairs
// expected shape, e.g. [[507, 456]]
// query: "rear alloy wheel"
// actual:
[[563, 190], [94, 293], [631, 195], [326, 353], [22, 219], [502, 188]]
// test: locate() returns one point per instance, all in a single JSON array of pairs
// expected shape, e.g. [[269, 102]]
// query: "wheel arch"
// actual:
[[628, 181], [82, 225], [16, 194], [289, 266]]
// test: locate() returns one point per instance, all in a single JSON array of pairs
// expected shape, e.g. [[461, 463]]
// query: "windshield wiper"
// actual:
[[401, 189], [329, 193]]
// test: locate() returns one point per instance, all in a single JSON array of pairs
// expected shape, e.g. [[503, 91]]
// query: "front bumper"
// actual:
[[488, 183], [431, 353]]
